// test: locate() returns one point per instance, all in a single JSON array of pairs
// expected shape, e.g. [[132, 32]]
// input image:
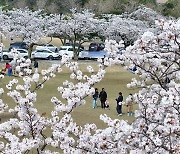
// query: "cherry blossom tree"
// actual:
[[124, 28], [156, 128], [57, 28], [157, 59], [129, 26], [4, 27], [76, 27], [26, 24]]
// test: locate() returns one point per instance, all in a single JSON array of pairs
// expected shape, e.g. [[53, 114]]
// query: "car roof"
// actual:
[[21, 49], [45, 44], [43, 49], [65, 46], [18, 43]]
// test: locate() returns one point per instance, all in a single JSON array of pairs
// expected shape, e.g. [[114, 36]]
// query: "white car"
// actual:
[[45, 54], [9, 54], [47, 46], [68, 50]]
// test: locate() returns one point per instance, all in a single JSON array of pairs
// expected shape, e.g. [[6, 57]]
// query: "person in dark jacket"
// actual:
[[36, 65], [95, 97], [119, 104], [103, 98]]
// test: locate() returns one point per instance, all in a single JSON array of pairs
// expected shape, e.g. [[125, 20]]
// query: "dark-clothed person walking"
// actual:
[[119, 104], [36, 65], [103, 98]]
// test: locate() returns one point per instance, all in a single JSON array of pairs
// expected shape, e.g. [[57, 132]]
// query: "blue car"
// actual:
[[95, 54]]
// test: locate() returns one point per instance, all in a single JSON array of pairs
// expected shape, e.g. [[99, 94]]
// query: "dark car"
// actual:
[[19, 45], [96, 46]]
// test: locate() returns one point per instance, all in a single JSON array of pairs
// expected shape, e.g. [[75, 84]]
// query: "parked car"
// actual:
[[68, 50], [95, 54], [18, 45], [47, 46], [76, 45], [9, 54], [45, 54], [96, 46]]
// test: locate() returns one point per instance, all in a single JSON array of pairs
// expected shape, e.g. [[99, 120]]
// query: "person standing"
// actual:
[[119, 101], [95, 97], [129, 103], [103, 98], [36, 65], [13, 65], [9, 68]]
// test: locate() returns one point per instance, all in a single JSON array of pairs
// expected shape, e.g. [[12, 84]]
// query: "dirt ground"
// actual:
[[162, 1]]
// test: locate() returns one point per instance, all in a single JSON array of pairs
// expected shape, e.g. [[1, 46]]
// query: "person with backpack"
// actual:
[[119, 101], [95, 98], [103, 98]]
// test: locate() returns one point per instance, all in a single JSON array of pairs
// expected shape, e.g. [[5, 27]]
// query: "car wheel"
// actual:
[[60, 57], [5, 57], [50, 57], [26, 57]]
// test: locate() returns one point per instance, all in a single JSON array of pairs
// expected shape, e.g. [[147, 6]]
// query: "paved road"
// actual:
[[79, 61]]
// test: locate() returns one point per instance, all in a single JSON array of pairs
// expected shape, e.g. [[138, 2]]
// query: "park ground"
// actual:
[[115, 81]]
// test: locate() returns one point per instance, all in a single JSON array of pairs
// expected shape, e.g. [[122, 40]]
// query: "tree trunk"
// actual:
[[76, 55], [63, 40], [30, 50]]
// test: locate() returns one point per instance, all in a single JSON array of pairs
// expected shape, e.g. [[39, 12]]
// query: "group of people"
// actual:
[[129, 104], [9, 68], [103, 99], [105, 103]]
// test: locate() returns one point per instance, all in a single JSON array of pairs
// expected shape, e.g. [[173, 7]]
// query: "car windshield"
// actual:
[[70, 49], [21, 51], [62, 48], [93, 44], [46, 51], [39, 51], [48, 45]]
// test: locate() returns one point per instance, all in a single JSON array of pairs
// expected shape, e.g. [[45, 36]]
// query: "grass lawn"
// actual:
[[115, 80]]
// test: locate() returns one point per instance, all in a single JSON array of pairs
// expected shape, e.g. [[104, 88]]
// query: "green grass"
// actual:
[[115, 80]]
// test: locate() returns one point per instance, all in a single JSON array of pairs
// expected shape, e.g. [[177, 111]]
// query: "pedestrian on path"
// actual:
[[119, 101], [103, 98], [129, 104], [95, 98], [36, 65]]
